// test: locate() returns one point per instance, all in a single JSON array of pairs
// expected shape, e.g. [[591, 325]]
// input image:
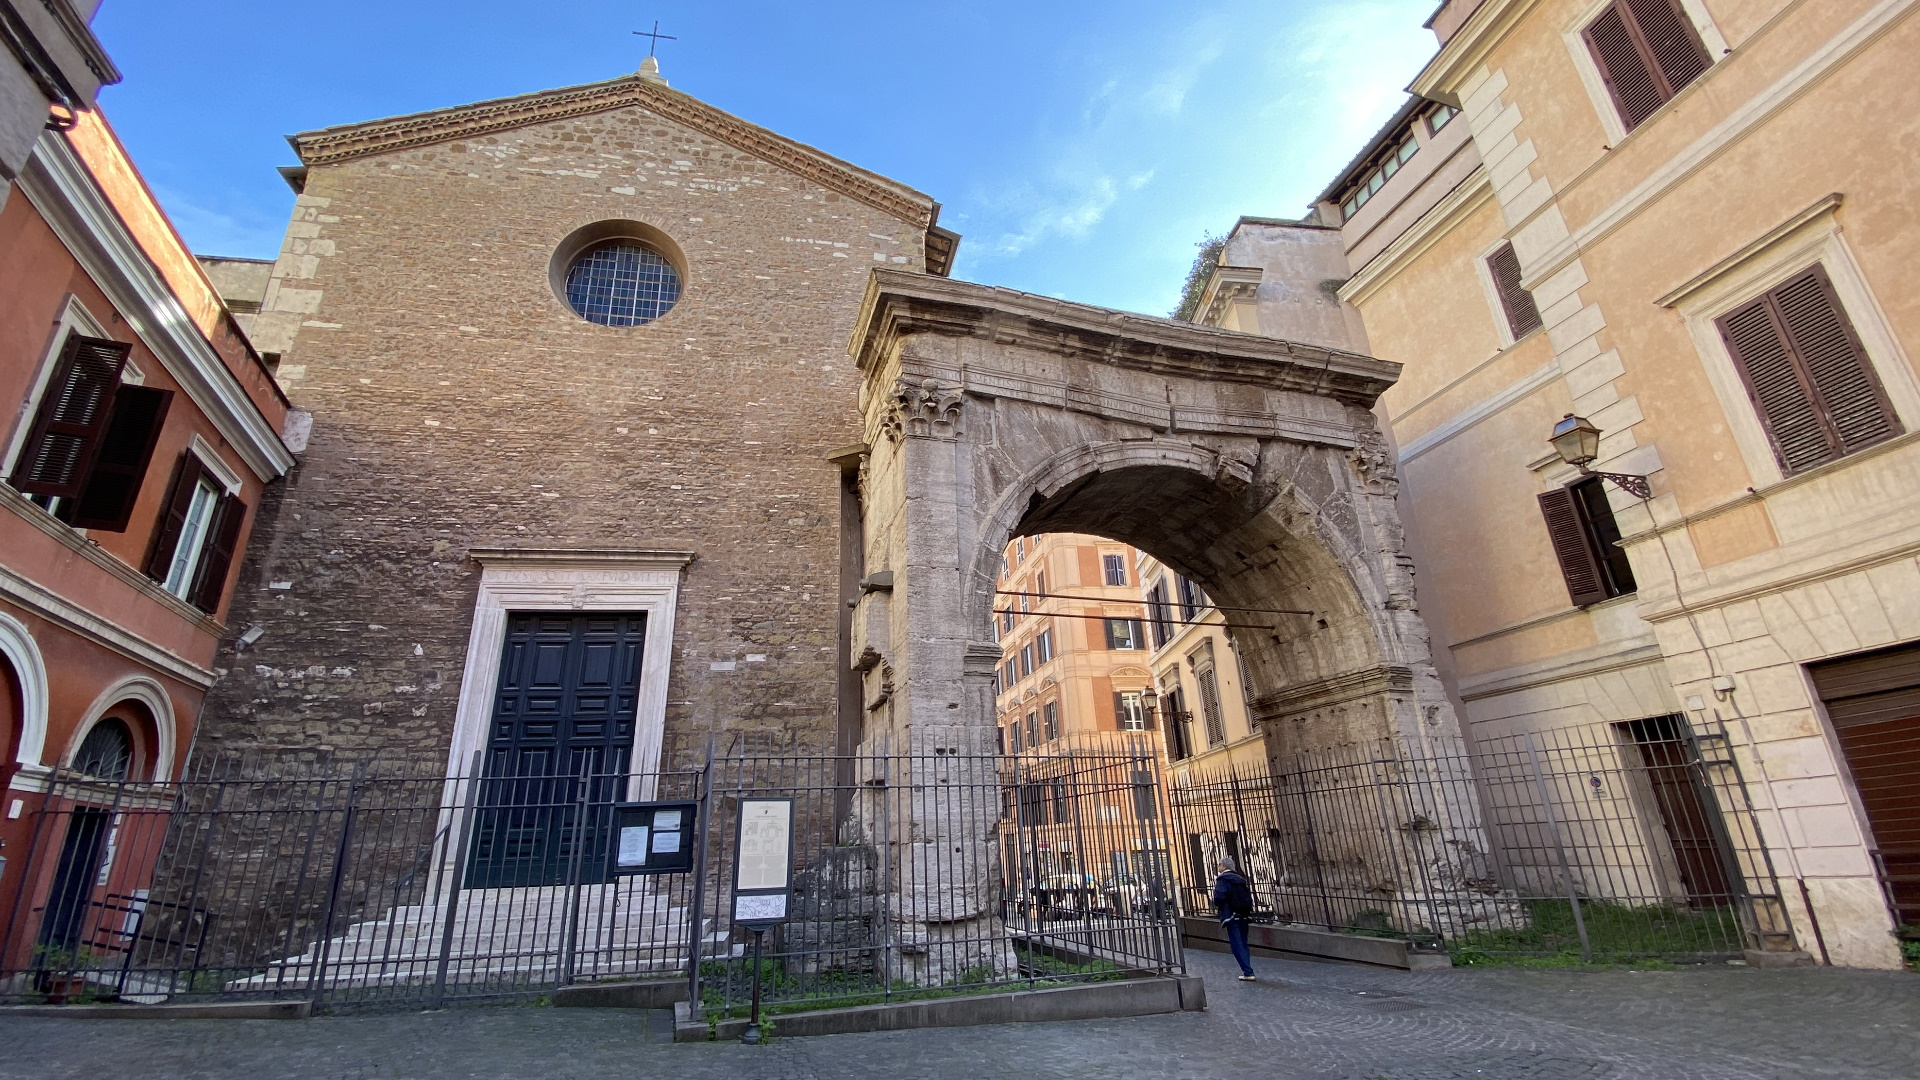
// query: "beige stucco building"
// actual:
[[1204, 720], [1073, 644], [1677, 221]]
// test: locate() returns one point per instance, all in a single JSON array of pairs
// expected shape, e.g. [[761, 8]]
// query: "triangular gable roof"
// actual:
[[328, 146]]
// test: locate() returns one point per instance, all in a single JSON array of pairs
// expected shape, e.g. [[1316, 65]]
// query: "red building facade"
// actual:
[[138, 430]]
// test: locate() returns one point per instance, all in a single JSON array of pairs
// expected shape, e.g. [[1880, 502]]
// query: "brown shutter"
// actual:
[[1523, 317], [1147, 710], [173, 518], [223, 533], [120, 465], [1845, 387], [72, 417], [1807, 373], [1631, 79], [1670, 38], [1578, 565], [1119, 711]]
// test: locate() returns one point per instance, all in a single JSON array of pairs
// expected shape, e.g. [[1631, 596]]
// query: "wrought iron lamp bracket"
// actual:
[[1635, 486]]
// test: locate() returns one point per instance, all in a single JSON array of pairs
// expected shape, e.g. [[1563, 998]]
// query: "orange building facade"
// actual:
[[138, 433]]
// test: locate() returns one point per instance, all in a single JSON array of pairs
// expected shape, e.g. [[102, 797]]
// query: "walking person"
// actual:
[[1233, 900]]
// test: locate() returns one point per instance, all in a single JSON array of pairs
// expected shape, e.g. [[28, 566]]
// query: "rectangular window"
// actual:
[[1026, 601], [1020, 549], [999, 740], [1585, 540], [1384, 166], [1647, 51], [1146, 797], [1123, 634], [1130, 711], [1033, 730], [1158, 614], [1006, 620], [1026, 660], [199, 531], [1050, 717], [1040, 583], [1516, 303], [1043, 646], [1173, 708], [1210, 705], [1116, 569], [1192, 600], [1010, 673], [1807, 373], [1438, 118], [92, 438]]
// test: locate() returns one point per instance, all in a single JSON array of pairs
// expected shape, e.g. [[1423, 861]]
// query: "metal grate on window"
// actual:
[[622, 283]]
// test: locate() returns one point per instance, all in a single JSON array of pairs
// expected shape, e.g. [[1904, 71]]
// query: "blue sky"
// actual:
[[1080, 148]]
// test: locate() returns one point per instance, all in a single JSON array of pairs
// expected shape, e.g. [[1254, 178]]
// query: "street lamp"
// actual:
[[1578, 442]]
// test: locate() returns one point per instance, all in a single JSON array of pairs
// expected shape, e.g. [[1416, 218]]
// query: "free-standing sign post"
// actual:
[[762, 880]]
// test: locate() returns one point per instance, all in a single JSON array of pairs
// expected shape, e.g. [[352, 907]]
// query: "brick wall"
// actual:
[[457, 402]]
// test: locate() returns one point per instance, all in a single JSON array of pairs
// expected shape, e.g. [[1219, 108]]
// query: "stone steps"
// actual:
[[497, 934]]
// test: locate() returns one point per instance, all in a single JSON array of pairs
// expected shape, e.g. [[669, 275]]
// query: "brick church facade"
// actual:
[[666, 489]]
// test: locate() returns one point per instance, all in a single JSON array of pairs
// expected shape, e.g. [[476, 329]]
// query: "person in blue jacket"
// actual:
[[1233, 900]]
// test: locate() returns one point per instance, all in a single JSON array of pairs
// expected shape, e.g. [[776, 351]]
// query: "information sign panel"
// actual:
[[652, 838], [763, 862]]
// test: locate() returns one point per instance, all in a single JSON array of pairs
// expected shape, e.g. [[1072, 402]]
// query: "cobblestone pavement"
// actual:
[[1302, 1020]]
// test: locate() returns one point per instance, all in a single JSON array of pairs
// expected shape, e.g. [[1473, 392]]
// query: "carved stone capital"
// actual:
[[923, 409]]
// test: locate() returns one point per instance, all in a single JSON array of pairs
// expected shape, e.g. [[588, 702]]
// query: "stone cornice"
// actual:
[[1420, 237], [1468, 48], [329, 146], [900, 303], [1333, 690], [64, 193], [1224, 286], [608, 558]]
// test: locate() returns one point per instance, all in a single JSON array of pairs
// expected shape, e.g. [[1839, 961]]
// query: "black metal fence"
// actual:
[[918, 879], [374, 885], [1615, 842]]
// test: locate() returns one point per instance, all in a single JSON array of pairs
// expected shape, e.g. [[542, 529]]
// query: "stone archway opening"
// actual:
[[1298, 622], [1253, 466]]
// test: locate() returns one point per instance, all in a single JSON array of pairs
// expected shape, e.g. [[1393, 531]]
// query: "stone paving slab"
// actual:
[[1302, 1020]]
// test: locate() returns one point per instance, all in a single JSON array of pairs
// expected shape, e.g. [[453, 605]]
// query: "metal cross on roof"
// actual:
[[656, 35]]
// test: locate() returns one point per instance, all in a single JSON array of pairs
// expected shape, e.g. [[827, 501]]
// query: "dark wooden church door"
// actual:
[[562, 728]]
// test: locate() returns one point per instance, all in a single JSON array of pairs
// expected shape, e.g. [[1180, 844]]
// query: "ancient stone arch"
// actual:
[[1252, 465]]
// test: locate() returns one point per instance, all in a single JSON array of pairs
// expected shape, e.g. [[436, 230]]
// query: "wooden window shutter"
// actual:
[[1647, 51], [120, 464], [186, 475], [1679, 56], [1807, 373], [1848, 392], [223, 535], [1578, 564], [1523, 317], [1119, 711], [1630, 78], [72, 418]]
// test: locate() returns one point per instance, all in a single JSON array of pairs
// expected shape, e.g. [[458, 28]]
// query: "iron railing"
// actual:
[[362, 884], [1614, 842]]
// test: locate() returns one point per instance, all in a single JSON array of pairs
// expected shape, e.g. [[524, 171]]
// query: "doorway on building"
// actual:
[[558, 745], [64, 928], [1873, 700], [1687, 809]]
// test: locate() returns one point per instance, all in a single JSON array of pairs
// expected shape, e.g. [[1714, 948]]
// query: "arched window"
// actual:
[[622, 283], [107, 751]]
